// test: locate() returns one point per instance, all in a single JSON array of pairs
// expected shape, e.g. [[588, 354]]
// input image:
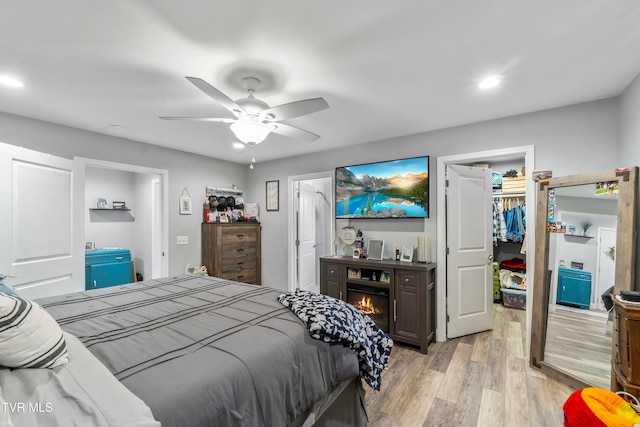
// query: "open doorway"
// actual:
[[310, 221], [527, 154], [145, 230]]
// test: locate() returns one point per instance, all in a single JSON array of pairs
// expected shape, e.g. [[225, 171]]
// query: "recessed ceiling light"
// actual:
[[10, 81], [490, 82], [238, 145]]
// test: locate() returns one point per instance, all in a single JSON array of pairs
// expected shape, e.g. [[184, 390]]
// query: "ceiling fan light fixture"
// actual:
[[10, 81], [491, 81], [250, 129], [238, 145]]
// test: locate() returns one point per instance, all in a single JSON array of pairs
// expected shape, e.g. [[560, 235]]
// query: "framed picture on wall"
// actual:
[[273, 195]]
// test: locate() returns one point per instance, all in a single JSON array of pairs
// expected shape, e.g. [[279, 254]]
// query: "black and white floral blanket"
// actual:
[[336, 322]]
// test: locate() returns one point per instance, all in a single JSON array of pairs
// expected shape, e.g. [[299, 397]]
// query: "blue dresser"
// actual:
[[107, 267], [574, 287]]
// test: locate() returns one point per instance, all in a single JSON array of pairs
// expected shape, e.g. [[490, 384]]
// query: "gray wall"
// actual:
[[567, 140], [629, 154], [185, 170]]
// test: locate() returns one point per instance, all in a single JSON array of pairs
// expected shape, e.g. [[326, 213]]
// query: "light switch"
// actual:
[[182, 240]]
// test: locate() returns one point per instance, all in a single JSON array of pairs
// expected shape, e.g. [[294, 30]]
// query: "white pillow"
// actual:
[[29, 336]]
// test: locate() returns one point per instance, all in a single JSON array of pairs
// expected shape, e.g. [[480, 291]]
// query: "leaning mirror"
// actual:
[[585, 245]]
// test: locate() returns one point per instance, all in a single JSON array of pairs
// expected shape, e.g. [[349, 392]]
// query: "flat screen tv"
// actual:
[[389, 189]]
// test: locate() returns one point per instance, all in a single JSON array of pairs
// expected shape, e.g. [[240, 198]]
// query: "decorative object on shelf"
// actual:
[[196, 270], [397, 253], [273, 195], [407, 254], [348, 235], [89, 246], [356, 252], [376, 249], [102, 203], [360, 241], [385, 277], [119, 205], [424, 249], [185, 202], [353, 273], [585, 226]]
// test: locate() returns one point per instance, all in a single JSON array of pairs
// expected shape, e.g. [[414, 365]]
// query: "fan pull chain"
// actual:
[[253, 157]]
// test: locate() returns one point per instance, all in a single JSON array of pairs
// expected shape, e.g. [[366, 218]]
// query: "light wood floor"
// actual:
[[578, 343], [478, 380]]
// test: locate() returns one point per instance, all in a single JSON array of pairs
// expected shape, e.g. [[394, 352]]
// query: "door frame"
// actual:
[[527, 152], [291, 220], [164, 192]]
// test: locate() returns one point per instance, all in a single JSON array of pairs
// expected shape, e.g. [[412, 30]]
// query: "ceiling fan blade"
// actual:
[[293, 132], [201, 119], [217, 96], [294, 109]]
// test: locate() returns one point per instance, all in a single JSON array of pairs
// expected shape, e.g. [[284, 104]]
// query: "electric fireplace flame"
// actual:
[[367, 306]]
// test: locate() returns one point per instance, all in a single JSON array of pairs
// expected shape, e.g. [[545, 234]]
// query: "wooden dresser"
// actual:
[[626, 350], [232, 251]]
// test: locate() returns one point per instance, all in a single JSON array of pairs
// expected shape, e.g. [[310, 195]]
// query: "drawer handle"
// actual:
[[333, 271], [95, 284], [406, 280], [240, 236], [395, 310], [240, 250], [340, 294], [240, 276], [119, 258]]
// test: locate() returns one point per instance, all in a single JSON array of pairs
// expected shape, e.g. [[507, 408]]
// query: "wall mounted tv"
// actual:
[[390, 189]]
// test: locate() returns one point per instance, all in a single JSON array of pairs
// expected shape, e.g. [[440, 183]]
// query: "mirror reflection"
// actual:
[[581, 272]]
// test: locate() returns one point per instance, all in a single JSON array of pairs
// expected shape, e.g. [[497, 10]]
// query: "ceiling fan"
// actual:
[[255, 119]]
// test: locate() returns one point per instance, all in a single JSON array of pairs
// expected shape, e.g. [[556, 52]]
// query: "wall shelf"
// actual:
[[578, 236], [110, 215]]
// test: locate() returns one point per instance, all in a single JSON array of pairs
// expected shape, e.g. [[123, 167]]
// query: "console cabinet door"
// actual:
[[407, 300], [331, 280]]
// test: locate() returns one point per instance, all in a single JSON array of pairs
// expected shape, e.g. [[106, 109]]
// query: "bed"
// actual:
[[187, 350]]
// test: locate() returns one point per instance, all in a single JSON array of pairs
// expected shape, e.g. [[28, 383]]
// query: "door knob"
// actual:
[[490, 257]]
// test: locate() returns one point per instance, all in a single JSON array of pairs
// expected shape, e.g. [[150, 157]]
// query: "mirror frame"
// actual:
[[625, 257]]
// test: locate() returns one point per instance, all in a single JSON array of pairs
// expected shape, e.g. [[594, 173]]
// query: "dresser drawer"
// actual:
[[241, 250], [332, 272], [238, 264], [238, 235], [241, 276], [408, 278]]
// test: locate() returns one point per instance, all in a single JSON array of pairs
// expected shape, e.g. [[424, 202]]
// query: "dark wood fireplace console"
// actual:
[[410, 286]]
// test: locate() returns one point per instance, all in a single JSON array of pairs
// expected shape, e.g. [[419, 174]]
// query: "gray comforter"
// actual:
[[202, 351]]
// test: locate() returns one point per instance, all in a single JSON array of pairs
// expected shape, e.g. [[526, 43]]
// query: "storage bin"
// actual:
[[107, 267], [514, 298], [517, 184]]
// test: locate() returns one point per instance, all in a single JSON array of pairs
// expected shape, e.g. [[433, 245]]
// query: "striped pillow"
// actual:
[[29, 336]]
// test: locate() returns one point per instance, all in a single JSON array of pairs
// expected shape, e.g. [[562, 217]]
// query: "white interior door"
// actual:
[[606, 268], [42, 222], [307, 238], [470, 251]]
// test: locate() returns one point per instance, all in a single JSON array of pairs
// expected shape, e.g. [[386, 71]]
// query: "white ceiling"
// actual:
[[386, 68]]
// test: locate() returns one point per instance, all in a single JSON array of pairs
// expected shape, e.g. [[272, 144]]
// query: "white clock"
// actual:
[[348, 235]]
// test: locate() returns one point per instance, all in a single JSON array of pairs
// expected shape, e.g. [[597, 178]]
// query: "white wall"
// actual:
[[192, 171], [567, 140], [113, 229]]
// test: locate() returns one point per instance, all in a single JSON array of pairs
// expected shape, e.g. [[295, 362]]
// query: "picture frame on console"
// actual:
[[407, 254]]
